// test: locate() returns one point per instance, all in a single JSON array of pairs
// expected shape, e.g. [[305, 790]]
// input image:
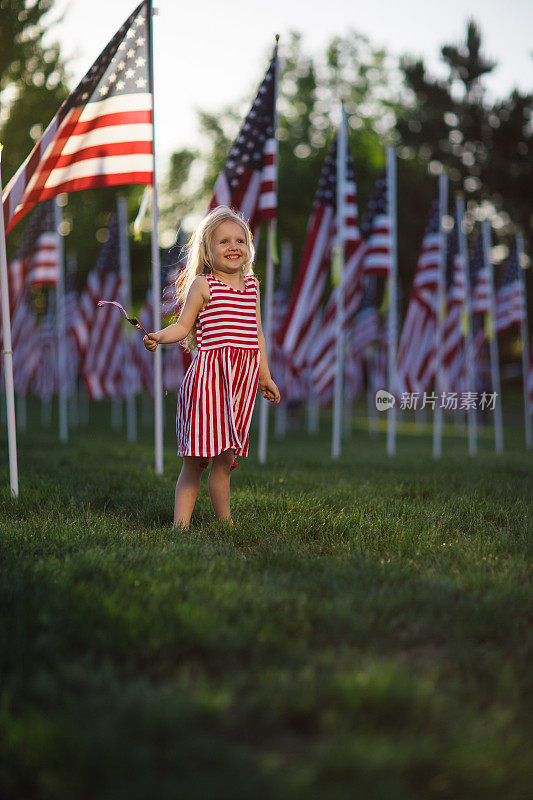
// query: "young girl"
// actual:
[[221, 319]]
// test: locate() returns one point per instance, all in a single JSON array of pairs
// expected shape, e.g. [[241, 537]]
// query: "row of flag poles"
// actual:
[[103, 135]]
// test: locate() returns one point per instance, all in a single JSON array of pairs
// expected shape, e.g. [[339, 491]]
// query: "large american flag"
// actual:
[[248, 182], [416, 351], [102, 134], [509, 299]]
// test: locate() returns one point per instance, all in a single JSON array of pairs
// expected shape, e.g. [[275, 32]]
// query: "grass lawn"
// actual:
[[361, 633]]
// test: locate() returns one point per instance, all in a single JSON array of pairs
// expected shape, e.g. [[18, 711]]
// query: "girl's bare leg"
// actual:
[[218, 483], [187, 489]]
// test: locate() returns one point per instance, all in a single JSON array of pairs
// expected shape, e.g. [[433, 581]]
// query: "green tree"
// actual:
[[310, 90], [486, 148]]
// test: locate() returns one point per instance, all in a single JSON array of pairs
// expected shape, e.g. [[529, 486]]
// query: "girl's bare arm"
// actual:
[[197, 296]]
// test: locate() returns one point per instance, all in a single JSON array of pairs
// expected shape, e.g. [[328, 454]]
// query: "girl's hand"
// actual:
[[150, 341], [269, 390]]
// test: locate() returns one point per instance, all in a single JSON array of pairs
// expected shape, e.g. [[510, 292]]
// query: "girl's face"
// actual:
[[229, 247]]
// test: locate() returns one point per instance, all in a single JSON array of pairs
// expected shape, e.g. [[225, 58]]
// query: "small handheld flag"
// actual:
[[132, 320]]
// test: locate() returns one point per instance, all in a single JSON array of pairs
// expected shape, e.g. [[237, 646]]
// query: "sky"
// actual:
[[211, 53]]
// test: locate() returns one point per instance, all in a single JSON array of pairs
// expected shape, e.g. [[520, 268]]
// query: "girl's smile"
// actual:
[[229, 247]]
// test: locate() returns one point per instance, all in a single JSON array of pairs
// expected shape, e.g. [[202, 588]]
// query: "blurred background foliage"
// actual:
[[435, 124]]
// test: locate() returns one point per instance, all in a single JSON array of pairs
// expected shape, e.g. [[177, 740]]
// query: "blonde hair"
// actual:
[[200, 258]]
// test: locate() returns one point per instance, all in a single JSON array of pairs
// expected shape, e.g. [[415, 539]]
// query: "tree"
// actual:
[[486, 148], [311, 87]]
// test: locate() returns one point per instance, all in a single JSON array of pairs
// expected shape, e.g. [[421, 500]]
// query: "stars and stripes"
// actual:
[[36, 262], [367, 256], [509, 300], [301, 319], [480, 294], [307, 338], [366, 327], [376, 231], [101, 135], [248, 182], [104, 354], [416, 351]]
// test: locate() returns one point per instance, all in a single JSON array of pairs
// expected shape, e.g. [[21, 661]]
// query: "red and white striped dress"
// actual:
[[217, 396]]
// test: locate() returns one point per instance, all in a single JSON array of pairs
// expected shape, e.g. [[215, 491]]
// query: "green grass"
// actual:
[[362, 632]]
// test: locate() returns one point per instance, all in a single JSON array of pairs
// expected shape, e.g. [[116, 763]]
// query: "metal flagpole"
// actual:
[[525, 340], [8, 356], [269, 290], [61, 326], [493, 341], [470, 367], [393, 299], [337, 271], [439, 320], [156, 273], [125, 276]]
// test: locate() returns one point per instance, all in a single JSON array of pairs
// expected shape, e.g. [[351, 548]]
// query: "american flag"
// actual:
[[176, 359], [45, 382], [26, 345], [107, 260], [479, 278], [104, 356], [248, 182], [302, 323], [509, 300], [453, 331], [36, 262], [376, 231], [366, 327], [102, 134], [368, 256], [416, 351]]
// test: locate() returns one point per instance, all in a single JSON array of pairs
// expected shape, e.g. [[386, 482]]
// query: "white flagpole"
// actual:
[[393, 298], [61, 327], [525, 340], [125, 275], [8, 356], [269, 289], [470, 367], [156, 276], [493, 341], [338, 277], [441, 302]]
